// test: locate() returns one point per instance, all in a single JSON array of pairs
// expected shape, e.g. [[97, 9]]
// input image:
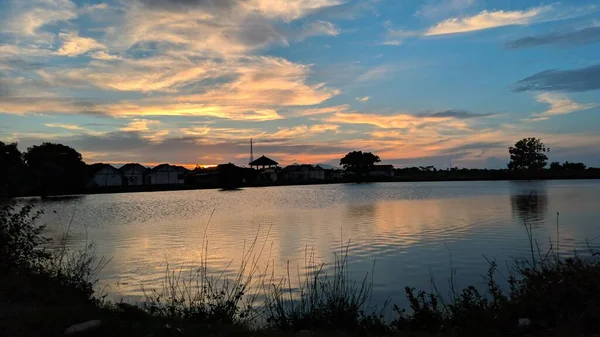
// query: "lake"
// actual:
[[406, 233]]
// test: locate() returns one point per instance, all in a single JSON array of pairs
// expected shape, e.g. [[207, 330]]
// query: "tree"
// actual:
[[11, 169], [555, 166], [359, 162], [56, 168], [528, 155], [574, 166]]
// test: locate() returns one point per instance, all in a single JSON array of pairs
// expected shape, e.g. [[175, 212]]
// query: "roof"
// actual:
[[132, 166], [303, 167], [173, 167], [263, 161], [95, 168]]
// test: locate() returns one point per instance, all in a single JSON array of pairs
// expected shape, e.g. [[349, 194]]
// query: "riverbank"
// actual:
[[560, 301], [439, 176]]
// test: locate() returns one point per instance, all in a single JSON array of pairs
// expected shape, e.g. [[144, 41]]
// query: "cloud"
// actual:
[[486, 20], [459, 114], [395, 37], [74, 45], [397, 121], [384, 72], [123, 147], [289, 9], [303, 131], [197, 58], [140, 125], [323, 110], [362, 99], [317, 28], [147, 129], [27, 17], [279, 9], [440, 8], [215, 28], [71, 127], [569, 38], [559, 105], [45, 104], [575, 80]]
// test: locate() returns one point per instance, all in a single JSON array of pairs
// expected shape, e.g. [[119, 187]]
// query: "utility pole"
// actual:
[[251, 152]]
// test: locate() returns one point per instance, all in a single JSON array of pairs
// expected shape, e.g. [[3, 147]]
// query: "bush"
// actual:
[[21, 246], [21, 236], [549, 292]]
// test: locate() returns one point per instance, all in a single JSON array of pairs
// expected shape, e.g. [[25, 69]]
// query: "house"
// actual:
[[204, 176], [302, 173], [167, 174], [269, 174], [134, 174], [334, 174], [103, 175], [382, 171]]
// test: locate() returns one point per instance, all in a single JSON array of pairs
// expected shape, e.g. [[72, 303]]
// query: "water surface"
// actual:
[[411, 231]]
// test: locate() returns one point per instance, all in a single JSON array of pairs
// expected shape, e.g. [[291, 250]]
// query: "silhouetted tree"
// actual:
[[528, 155], [574, 166], [56, 168], [555, 166], [359, 162], [230, 176], [11, 169]]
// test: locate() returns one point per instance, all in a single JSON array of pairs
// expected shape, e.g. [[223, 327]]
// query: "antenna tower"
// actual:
[[251, 151]]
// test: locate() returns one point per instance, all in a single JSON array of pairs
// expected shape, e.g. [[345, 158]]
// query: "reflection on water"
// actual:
[[529, 201], [408, 229]]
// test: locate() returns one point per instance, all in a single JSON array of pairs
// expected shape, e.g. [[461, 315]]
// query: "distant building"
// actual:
[[205, 176], [334, 174], [382, 171], [167, 174], [302, 173], [134, 174], [263, 162], [269, 174], [103, 175]]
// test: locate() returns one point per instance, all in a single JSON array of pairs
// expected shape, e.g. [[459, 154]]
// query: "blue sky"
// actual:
[[451, 82]]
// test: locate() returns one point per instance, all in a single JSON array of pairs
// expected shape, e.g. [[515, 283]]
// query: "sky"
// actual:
[[419, 82]]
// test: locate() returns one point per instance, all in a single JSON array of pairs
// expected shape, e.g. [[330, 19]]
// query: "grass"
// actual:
[[45, 292], [199, 296], [322, 302]]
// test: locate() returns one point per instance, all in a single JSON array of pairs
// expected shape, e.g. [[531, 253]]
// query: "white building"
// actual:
[[103, 175], [167, 174], [134, 174], [268, 174]]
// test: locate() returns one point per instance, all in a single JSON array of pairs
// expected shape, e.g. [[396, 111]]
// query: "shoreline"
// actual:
[[188, 187]]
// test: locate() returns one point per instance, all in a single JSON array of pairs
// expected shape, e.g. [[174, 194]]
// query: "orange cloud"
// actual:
[[487, 19]]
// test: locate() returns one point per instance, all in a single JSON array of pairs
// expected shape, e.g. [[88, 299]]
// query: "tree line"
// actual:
[[527, 157], [43, 169], [52, 169]]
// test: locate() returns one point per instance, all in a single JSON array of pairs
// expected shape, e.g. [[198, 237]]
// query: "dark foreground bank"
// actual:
[[47, 294]]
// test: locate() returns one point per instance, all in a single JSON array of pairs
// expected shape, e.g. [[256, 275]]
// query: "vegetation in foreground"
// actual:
[[43, 293]]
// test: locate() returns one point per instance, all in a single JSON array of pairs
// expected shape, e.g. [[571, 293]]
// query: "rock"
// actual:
[[524, 322], [304, 333], [82, 327]]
